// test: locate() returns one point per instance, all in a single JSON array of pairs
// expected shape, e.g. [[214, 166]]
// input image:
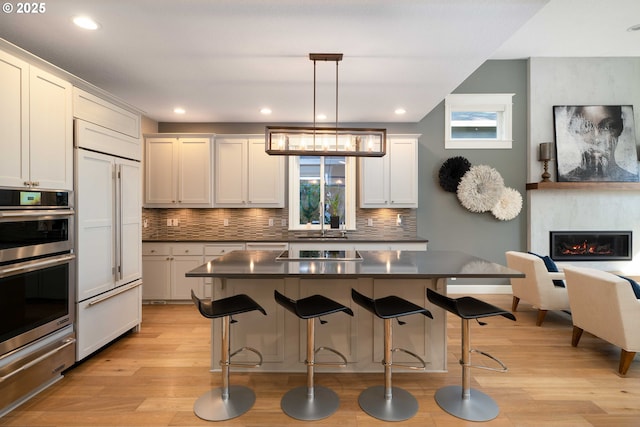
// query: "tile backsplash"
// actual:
[[253, 224]]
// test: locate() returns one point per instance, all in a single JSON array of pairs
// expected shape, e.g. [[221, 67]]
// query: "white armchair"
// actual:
[[537, 286], [604, 305]]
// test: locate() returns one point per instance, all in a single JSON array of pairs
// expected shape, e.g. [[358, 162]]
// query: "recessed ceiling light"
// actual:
[[400, 111], [321, 117], [265, 111], [634, 28], [179, 110], [86, 23]]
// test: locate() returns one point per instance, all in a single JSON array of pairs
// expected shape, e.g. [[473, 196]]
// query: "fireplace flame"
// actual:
[[586, 248]]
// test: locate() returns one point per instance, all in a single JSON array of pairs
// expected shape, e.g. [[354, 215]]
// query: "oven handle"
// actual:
[[37, 213], [39, 359], [33, 265]]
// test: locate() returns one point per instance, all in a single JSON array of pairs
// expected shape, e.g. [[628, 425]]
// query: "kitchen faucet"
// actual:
[[321, 210]]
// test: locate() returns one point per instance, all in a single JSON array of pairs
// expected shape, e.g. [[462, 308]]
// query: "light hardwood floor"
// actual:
[[152, 378]]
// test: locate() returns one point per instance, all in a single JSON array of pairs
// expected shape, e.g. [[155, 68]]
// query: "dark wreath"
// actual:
[[452, 171]]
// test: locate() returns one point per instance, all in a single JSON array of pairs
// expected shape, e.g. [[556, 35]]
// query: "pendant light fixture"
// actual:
[[325, 141]]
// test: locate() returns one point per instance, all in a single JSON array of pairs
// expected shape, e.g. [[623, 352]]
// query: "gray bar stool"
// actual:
[[463, 401], [311, 402], [226, 402], [386, 402]]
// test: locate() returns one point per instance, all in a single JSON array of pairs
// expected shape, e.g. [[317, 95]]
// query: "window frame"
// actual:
[[500, 103], [294, 195]]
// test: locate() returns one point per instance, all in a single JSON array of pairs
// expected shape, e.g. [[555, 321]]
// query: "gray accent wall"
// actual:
[[441, 217]]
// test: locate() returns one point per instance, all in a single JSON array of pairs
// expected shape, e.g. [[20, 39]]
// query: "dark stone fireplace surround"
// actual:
[[590, 245]]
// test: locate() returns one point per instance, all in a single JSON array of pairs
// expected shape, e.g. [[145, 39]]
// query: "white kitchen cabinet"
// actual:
[[107, 127], [164, 266], [246, 176], [178, 171], [109, 223], [36, 122], [103, 318], [96, 110], [391, 181], [156, 274], [109, 240]]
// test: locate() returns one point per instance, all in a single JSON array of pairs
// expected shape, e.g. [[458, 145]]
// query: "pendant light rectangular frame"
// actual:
[[325, 141]]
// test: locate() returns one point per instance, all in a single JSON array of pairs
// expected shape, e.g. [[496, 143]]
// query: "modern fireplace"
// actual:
[[590, 245]]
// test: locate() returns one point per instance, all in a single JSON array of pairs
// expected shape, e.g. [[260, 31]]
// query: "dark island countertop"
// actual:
[[374, 264]]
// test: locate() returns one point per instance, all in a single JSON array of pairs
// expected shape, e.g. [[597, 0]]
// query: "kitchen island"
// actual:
[[280, 336]]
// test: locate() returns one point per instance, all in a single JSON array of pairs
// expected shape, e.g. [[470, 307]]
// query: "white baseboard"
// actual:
[[478, 289]]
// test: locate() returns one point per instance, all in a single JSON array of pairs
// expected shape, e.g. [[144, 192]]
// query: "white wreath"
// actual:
[[480, 188], [509, 205]]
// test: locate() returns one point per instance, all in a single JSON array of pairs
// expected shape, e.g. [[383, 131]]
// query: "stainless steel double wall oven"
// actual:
[[37, 282]]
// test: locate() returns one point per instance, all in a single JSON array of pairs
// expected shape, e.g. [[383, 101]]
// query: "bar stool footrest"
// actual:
[[334, 351], [477, 407], [211, 406], [401, 406], [301, 404], [422, 364], [245, 364], [502, 368]]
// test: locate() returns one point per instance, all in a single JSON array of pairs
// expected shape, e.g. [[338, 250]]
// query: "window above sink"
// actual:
[[313, 179]]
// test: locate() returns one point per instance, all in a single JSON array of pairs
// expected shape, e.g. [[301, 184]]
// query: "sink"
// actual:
[[319, 237], [323, 255]]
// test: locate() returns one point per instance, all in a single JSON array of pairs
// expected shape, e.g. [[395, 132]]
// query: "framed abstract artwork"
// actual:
[[595, 143]]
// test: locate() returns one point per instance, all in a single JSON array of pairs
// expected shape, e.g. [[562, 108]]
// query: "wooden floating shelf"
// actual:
[[583, 186]]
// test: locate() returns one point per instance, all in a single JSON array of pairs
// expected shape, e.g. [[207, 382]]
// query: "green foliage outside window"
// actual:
[[309, 201]]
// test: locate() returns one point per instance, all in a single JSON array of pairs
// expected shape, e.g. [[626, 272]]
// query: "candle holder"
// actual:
[[545, 153]]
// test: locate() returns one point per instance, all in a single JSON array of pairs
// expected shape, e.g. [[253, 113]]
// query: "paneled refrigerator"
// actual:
[[109, 236]]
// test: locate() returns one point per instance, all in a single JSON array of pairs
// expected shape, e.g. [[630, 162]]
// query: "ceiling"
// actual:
[[224, 60]]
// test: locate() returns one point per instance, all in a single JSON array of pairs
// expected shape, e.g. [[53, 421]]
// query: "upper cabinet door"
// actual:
[[36, 123], [50, 131], [246, 176], [230, 172], [374, 188], [161, 165], [178, 171], [14, 121], [391, 181], [194, 172], [403, 173], [266, 177]]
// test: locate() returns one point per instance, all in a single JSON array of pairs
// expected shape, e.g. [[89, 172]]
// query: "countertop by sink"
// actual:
[[297, 238]]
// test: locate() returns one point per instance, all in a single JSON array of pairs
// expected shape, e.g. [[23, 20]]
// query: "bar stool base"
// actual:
[[297, 404], [211, 407], [479, 406], [400, 407]]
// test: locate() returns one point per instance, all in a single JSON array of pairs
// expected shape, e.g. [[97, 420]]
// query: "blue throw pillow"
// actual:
[[634, 286], [551, 267]]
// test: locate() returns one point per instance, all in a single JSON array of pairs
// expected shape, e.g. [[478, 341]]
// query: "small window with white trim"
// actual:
[[480, 120]]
